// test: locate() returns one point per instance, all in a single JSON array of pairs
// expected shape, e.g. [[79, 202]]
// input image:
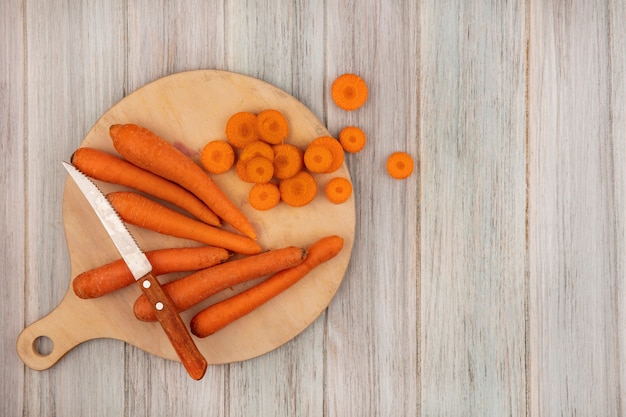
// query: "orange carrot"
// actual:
[[241, 129], [338, 190], [195, 288], [318, 159], [352, 139], [264, 196], [240, 169], [272, 126], [335, 148], [259, 170], [349, 91], [257, 148], [298, 190], [219, 315], [217, 157], [400, 165], [116, 275], [143, 212], [106, 167], [148, 151], [288, 160]]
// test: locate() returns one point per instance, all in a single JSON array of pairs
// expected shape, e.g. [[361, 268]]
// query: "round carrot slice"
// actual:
[[338, 190], [241, 129], [298, 190], [272, 126], [318, 159], [259, 170], [349, 91], [240, 169], [400, 165], [352, 139], [264, 196], [257, 148], [335, 148], [288, 160], [217, 157]]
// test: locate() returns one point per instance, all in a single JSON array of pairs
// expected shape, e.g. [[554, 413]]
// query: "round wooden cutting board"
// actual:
[[190, 109]]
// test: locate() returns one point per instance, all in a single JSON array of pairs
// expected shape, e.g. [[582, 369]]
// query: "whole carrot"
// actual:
[[193, 289], [116, 275], [153, 153], [219, 315], [109, 168], [141, 211]]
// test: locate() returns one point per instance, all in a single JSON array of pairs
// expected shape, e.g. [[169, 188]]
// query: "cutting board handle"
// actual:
[[63, 338]]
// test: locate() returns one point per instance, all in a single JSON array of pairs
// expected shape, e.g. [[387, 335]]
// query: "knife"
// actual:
[[140, 267]]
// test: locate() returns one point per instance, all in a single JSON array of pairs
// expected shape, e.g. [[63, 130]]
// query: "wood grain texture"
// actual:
[[576, 210], [490, 283], [473, 208], [73, 75], [162, 38], [12, 222], [280, 42], [617, 88], [374, 318]]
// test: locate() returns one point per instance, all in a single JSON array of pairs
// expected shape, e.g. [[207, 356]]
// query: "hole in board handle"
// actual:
[[43, 345]]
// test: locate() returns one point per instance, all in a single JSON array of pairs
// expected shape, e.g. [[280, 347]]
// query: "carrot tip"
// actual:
[[114, 130]]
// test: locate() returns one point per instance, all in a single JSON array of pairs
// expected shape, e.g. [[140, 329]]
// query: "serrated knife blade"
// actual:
[[140, 267]]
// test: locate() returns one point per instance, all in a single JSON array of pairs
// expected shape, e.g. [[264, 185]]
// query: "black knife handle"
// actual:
[[174, 327]]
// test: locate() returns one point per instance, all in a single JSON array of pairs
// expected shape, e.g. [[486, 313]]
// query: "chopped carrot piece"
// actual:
[[217, 157], [335, 148], [349, 91], [259, 170], [272, 126], [288, 160], [352, 139], [240, 169], [264, 196], [257, 148], [318, 159], [400, 165], [241, 129], [299, 190], [338, 190]]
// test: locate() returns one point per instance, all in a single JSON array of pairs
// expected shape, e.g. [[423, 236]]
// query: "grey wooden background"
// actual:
[[490, 283]]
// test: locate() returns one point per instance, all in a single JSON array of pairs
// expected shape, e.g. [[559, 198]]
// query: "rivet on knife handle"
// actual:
[[174, 327]]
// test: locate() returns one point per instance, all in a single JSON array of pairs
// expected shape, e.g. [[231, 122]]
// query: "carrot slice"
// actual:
[[349, 91], [217, 157], [338, 190], [272, 126], [288, 160], [299, 190], [241, 129], [257, 148], [318, 159], [259, 170], [400, 165], [335, 148], [352, 139], [264, 196]]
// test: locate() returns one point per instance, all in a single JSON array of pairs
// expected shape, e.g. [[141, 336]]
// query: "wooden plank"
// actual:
[[12, 224], [617, 91], [372, 348], [163, 38], [74, 73], [473, 295], [280, 43], [576, 207]]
